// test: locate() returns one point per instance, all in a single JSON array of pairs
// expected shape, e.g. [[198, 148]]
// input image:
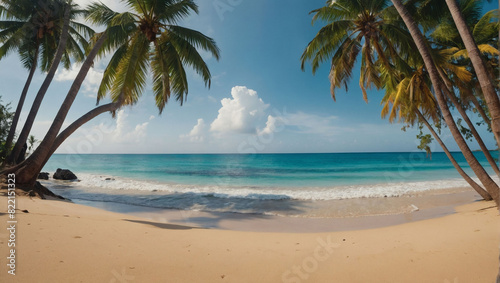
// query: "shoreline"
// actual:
[[427, 207], [66, 242]]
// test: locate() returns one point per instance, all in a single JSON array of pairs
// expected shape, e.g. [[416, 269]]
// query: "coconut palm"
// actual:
[[456, 77], [484, 29], [146, 37], [484, 78], [352, 23], [409, 99], [34, 29], [439, 90], [364, 27]]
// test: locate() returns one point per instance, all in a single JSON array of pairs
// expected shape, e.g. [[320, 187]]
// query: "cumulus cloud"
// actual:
[[245, 115], [122, 131], [198, 133], [273, 124], [241, 113], [91, 83]]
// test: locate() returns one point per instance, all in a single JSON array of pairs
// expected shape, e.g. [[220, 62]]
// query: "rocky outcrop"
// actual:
[[64, 174], [43, 175]]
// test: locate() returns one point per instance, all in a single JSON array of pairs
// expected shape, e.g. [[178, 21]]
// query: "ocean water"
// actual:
[[276, 184]]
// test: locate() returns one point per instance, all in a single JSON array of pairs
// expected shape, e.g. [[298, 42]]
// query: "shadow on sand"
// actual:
[[162, 225]]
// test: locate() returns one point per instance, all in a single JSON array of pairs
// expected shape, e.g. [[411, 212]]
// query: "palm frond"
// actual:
[[108, 77], [130, 78]]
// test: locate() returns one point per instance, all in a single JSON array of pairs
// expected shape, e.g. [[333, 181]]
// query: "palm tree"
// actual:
[[409, 99], [439, 90], [148, 36], [461, 79], [31, 142], [484, 78], [484, 29], [34, 28], [364, 27]]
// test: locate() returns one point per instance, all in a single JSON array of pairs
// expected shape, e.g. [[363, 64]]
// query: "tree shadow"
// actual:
[[191, 208], [162, 225]]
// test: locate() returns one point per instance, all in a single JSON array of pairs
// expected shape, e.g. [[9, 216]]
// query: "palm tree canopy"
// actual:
[[149, 39], [367, 27], [30, 26], [484, 27]]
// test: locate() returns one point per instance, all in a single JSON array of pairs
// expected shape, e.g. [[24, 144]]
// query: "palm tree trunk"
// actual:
[[474, 132], [27, 174], [23, 137], [450, 94], [470, 95], [490, 95], [480, 109], [77, 124], [15, 120], [484, 194], [417, 36]]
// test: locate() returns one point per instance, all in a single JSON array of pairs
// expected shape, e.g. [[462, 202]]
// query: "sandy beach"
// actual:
[[59, 241]]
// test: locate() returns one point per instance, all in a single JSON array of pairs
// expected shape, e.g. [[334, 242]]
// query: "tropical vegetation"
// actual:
[[452, 70], [145, 40], [452, 77], [34, 29]]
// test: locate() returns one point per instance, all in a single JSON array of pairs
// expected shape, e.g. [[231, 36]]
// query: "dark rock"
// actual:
[[43, 175], [64, 174], [109, 179]]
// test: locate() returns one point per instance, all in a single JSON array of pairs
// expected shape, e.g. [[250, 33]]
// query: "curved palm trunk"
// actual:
[[474, 132], [20, 104], [450, 94], [23, 137], [77, 124], [470, 95], [484, 194], [417, 36], [27, 174], [490, 95], [480, 109]]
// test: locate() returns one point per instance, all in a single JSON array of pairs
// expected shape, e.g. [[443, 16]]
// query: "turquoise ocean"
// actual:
[[271, 184]]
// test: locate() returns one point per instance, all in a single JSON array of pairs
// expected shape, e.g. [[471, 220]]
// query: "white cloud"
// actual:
[[273, 124], [117, 135], [122, 131], [241, 113], [198, 133], [241, 126], [91, 83]]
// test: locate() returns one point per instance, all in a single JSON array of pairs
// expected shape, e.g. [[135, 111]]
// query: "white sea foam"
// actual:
[[98, 183]]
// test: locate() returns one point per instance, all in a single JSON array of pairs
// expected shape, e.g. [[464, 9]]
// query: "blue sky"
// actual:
[[260, 100]]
